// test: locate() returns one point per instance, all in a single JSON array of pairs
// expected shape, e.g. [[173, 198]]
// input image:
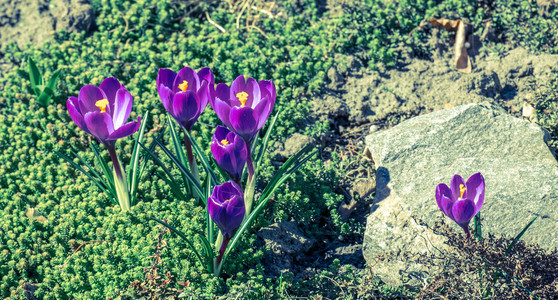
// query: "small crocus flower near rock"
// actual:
[[229, 151], [244, 107], [461, 201], [186, 94], [102, 112]]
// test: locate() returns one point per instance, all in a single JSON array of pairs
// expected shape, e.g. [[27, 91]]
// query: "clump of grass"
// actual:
[[486, 270]]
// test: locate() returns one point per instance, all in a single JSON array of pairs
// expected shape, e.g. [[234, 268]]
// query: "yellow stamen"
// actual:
[[102, 104], [224, 142], [242, 97], [462, 190], [183, 86]]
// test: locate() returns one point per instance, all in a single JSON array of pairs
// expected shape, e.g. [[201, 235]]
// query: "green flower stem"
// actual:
[[249, 163], [218, 260], [249, 195], [191, 161], [478, 227], [219, 240], [120, 182]]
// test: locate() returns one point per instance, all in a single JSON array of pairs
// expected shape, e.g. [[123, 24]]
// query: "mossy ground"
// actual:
[[88, 249]]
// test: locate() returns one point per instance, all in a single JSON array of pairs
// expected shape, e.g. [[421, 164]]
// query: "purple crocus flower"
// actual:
[[462, 201], [245, 106], [185, 95], [226, 207], [101, 111], [229, 151]]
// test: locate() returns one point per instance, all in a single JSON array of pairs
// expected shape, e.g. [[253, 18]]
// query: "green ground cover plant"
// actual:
[[63, 238]]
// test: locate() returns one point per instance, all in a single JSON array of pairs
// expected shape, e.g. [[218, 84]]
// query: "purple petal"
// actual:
[[110, 86], [249, 86], [186, 108], [203, 96], [262, 111], [76, 116], [463, 211], [231, 157], [166, 96], [269, 86], [243, 122], [222, 93], [443, 194], [207, 75], [220, 133], [222, 109], [99, 124], [188, 75], [456, 181], [165, 78], [125, 130], [122, 107], [88, 96], [475, 190]]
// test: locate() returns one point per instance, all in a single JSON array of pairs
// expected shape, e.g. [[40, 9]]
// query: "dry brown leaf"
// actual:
[[462, 59], [450, 25], [345, 210], [32, 213]]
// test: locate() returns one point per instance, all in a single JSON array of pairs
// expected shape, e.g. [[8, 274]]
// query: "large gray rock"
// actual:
[[412, 158]]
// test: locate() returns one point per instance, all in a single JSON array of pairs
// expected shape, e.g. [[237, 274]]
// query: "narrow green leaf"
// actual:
[[34, 76], [176, 142], [178, 149], [195, 184], [53, 79], [44, 97], [175, 189], [285, 167], [202, 156], [478, 227], [265, 142], [518, 237], [288, 168], [209, 222], [104, 167], [101, 185], [144, 156], [180, 234], [133, 171], [208, 252], [84, 163], [158, 162]]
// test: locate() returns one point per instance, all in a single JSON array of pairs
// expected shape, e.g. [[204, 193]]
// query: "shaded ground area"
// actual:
[[33, 22]]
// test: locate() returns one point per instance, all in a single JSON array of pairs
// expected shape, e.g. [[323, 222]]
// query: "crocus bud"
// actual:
[[229, 151], [226, 207], [462, 201]]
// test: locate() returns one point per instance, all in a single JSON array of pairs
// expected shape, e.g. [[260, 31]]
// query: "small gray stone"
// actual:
[[73, 15], [294, 144], [412, 158], [287, 244]]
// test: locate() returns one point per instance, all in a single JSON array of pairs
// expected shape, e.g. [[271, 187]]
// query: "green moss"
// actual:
[[88, 249]]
